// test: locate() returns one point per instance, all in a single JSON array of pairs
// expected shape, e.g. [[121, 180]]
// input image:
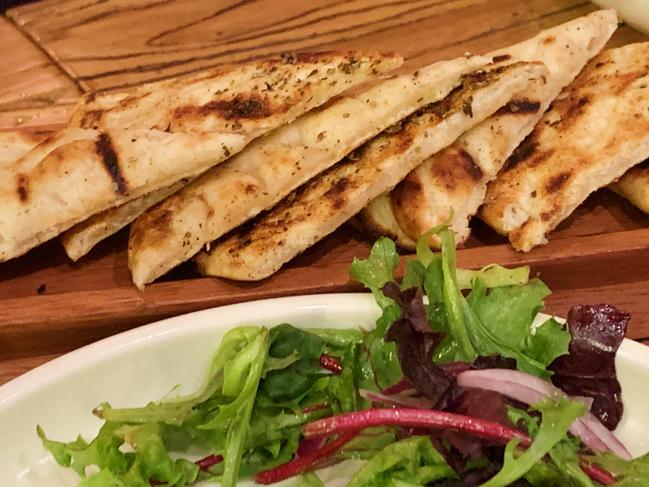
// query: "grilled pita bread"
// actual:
[[271, 167], [377, 219], [88, 171], [456, 178], [82, 237], [595, 131], [249, 100], [322, 205], [634, 186], [14, 144]]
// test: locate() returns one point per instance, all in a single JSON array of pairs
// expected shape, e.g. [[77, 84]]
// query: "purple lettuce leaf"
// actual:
[[416, 342], [589, 370]]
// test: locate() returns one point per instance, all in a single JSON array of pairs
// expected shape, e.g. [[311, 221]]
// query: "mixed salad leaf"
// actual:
[[453, 387]]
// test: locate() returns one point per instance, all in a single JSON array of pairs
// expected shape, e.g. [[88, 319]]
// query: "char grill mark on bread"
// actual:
[[276, 164], [326, 202], [249, 101], [424, 198], [596, 130]]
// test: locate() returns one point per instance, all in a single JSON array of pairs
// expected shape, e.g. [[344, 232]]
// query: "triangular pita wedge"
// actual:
[[249, 100], [273, 166], [595, 131], [634, 186], [14, 144], [457, 177], [330, 199], [88, 171], [81, 238], [377, 219]]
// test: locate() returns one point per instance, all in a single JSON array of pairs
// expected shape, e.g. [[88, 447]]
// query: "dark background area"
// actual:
[[5, 4]]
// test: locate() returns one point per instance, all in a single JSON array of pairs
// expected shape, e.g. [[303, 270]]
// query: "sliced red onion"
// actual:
[[529, 389], [396, 399]]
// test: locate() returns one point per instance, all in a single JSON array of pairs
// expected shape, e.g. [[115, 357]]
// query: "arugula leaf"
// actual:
[[413, 461], [557, 416], [493, 275], [453, 299]]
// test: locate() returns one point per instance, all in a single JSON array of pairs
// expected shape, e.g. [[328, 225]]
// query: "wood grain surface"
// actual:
[[119, 43], [49, 305], [33, 89]]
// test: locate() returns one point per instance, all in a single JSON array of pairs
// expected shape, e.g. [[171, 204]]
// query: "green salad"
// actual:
[[453, 387]]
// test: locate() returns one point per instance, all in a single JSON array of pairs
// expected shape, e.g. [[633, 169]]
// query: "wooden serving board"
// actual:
[[49, 305]]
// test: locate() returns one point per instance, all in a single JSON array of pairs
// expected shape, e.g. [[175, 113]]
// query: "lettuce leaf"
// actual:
[[217, 416], [413, 461], [103, 451]]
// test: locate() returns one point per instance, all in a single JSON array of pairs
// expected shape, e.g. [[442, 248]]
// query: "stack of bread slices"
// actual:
[[243, 169]]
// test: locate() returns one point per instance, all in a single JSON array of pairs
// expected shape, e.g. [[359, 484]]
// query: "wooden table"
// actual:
[[61, 48]]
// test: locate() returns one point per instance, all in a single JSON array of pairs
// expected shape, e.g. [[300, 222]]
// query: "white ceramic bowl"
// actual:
[[135, 367], [633, 12]]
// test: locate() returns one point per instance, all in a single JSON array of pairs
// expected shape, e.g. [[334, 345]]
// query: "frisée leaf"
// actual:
[[557, 416]]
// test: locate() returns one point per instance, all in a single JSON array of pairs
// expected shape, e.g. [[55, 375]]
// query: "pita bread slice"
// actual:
[[88, 171], [289, 88], [81, 238], [14, 144], [377, 219], [273, 166], [457, 177], [326, 202], [634, 186], [595, 131], [250, 99]]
